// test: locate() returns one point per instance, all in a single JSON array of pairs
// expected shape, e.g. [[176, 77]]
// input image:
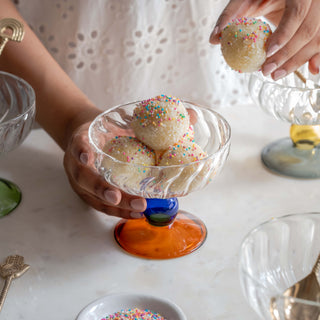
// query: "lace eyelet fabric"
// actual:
[[120, 50]]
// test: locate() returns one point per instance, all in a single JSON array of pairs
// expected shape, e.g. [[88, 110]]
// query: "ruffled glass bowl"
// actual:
[[273, 257], [17, 112], [290, 100], [166, 231]]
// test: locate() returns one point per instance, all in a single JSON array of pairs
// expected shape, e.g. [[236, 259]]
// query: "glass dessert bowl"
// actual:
[[165, 231], [298, 103], [17, 112], [273, 257]]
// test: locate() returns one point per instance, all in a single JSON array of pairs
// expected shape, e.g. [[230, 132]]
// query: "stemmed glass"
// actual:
[[298, 103], [165, 231], [274, 256], [17, 112]]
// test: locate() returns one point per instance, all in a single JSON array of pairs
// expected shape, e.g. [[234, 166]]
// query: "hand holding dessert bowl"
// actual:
[[160, 156]]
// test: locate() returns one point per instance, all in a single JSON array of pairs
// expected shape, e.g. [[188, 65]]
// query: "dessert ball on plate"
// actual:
[[133, 158], [183, 179], [160, 122], [243, 44]]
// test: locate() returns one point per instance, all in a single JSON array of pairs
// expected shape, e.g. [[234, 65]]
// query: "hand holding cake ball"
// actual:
[[295, 40], [243, 44]]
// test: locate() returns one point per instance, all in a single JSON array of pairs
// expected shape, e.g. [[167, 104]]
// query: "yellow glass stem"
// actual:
[[305, 137]]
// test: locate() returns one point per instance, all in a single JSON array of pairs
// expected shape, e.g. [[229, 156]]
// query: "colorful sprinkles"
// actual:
[[182, 153], [189, 135], [243, 43], [157, 110], [173, 144], [252, 36], [134, 314], [129, 149]]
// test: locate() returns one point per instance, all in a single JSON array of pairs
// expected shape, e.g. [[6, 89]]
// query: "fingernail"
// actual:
[[279, 74], [84, 158], [138, 204], [111, 196], [136, 215], [213, 34], [272, 50], [267, 69]]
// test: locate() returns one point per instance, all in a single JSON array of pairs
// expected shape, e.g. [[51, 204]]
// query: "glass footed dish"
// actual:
[[273, 257], [165, 231], [298, 103], [17, 113]]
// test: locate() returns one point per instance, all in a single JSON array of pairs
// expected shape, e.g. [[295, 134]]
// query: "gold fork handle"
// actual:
[[5, 290], [316, 268]]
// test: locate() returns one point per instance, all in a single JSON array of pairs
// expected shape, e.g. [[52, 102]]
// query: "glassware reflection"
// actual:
[[17, 112]]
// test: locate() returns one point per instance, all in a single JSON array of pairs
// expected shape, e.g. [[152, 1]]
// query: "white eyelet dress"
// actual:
[[118, 51]]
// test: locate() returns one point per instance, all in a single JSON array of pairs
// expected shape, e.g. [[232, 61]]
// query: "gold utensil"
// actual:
[[306, 289], [10, 29], [314, 95], [13, 268]]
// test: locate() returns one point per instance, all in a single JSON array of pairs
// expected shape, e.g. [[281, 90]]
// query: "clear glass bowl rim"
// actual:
[[220, 149], [273, 220], [32, 96], [258, 75], [258, 228]]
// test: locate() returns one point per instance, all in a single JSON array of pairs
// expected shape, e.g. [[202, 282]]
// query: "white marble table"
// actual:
[[74, 258]]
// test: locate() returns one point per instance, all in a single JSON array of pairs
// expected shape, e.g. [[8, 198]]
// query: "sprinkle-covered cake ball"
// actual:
[[133, 158], [160, 122], [186, 152], [188, 136], [243, 44], [183, 179], [130, 150]]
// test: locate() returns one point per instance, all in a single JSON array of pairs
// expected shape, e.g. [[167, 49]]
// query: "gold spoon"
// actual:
[[13, 268], [314, 95], [306, 289]]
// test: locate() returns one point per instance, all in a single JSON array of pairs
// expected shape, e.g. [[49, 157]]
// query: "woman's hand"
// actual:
[[65, 113], [90, 186], [296, 39]]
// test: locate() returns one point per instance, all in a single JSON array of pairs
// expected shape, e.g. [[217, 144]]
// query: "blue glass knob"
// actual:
[[161, 212]]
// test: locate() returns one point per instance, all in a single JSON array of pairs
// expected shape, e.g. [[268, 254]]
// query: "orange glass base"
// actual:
[[183, 236]]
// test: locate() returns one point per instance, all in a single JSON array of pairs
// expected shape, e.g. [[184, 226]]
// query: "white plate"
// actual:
[[110, 304]]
